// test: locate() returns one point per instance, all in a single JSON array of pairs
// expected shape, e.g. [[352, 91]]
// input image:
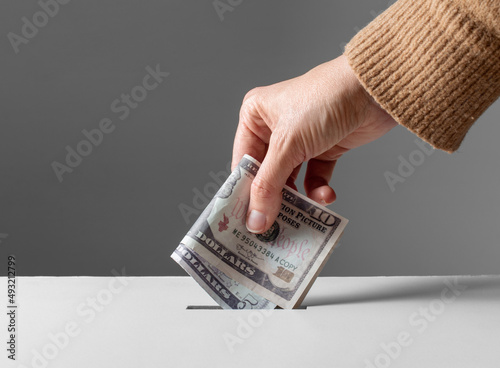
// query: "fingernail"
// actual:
[[323, 202], [256, 221]]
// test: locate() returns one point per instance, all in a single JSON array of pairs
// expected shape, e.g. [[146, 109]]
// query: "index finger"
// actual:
[[252, 135]]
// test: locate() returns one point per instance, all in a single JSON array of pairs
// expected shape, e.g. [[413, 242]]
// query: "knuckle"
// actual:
[[262, 189], [289, 145], [252, 94], [248, 106], [282, 139]]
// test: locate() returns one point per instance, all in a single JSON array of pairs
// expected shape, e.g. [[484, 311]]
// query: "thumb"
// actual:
[[265, 194]]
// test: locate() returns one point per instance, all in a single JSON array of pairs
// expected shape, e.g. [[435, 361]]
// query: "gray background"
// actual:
[[120, 207]]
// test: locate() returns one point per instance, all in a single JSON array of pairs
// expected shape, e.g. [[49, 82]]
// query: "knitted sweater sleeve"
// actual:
[[433, 65]]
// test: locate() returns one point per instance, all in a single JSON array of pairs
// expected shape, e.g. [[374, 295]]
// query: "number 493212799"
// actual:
[[11, 277]]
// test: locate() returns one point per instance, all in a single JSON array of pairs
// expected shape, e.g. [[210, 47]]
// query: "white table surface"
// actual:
[[143, 322]]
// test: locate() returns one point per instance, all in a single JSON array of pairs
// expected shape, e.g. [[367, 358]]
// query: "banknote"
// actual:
[[228, 293], [279, 265]]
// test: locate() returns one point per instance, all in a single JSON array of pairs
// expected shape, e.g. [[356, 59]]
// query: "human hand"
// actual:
[[316, 117]]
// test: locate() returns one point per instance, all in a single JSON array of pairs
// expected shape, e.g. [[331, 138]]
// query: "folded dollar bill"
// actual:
[[277, 267], [228, 293]]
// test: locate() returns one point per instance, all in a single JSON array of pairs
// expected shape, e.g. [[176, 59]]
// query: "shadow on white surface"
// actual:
[[484, 288]]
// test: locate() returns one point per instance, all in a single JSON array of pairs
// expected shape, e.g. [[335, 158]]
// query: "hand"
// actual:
[[316, 117]]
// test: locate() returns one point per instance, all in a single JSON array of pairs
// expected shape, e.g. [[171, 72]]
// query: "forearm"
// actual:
[[433, 65]]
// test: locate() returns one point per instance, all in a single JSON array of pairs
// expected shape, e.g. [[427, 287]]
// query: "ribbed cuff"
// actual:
[[431, 65]]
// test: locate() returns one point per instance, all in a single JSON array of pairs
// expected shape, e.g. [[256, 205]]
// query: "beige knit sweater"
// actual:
[[434, 65]]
